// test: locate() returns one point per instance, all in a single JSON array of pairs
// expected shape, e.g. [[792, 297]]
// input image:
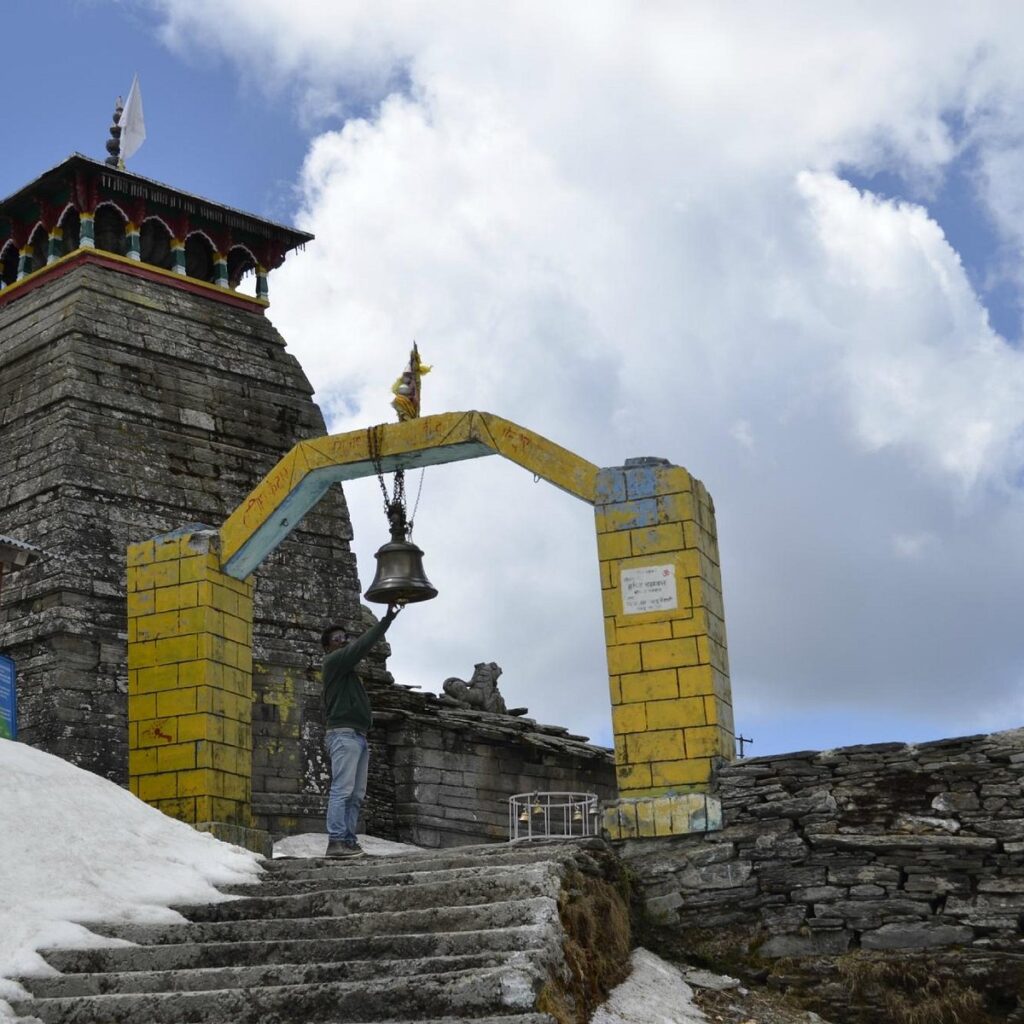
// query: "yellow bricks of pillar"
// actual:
[[668, 666], [189, 681]]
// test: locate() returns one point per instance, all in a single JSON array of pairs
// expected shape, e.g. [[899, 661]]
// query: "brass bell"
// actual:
[[400, 577]]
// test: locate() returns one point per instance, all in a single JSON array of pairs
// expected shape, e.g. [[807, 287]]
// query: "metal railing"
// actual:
[[558, 815]]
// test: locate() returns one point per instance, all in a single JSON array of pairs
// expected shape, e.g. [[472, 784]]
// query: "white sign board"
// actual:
[[651, 588]]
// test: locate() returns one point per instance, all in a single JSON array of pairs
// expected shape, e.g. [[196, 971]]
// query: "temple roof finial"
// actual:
[[114, 142]]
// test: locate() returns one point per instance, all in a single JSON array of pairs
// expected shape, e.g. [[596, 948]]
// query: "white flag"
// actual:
[[133, 126]]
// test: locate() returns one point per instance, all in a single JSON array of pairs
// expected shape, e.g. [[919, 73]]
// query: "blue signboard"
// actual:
[[8, 700]]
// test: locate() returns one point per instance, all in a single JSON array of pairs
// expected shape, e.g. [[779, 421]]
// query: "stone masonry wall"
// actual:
[[454, 769], [824, 855], [441, 775], [131, 409], [128, 409]]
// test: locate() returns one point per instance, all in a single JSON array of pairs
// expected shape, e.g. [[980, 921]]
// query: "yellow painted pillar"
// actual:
[[668, 665], [190, 685]]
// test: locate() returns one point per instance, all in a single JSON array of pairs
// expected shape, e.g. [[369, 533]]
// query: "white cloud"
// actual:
[[626, 229], [742, 433], [921, 366], [912, 545]]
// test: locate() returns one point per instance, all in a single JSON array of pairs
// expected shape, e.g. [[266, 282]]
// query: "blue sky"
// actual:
[[954, 205], [781, 249], [206, 132]]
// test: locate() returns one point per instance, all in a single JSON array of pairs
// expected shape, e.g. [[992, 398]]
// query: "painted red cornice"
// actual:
[[98, 257]]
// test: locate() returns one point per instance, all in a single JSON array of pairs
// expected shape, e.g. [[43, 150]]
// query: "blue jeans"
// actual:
[[350, 757]]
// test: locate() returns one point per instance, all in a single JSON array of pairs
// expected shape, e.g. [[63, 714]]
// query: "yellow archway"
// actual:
[[303, 476], [190, 623]]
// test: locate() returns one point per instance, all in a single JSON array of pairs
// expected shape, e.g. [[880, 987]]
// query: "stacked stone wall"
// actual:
[[915, 851], [454, 770], [131, 409], [441, 775]]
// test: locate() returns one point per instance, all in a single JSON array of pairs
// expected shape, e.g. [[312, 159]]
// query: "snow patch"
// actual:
[[314, 844], [77, 848], [654, 993]]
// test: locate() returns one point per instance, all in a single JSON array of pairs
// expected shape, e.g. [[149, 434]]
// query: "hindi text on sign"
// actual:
[[649, 588]]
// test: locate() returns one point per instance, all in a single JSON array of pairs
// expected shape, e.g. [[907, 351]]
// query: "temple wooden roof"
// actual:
[[72, 181]]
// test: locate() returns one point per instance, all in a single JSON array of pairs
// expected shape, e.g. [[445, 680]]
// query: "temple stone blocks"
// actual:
[[668, 666], [455, 769]]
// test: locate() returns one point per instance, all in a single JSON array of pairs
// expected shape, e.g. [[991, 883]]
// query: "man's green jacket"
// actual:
[[345, 699]]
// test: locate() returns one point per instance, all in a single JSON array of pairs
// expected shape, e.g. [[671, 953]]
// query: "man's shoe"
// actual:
[[339, 849]]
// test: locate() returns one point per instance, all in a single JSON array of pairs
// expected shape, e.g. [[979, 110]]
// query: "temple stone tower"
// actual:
[[140, 392]]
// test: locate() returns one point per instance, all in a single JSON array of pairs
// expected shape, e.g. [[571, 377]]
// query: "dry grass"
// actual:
[[598, 940], [910, 992], [949, 1005]]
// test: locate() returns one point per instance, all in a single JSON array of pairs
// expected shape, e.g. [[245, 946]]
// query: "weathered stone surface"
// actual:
[[878, 868], [961, 801], [784, 920], [921, 843], [937, 885], [919, 824], [863, 875], [796, 808], [883, 909], [787, 877], [715, 876], [132, 409], [496, 757], [866, 892], [475, 936], [916, 935], [816, 944], [817, 893]]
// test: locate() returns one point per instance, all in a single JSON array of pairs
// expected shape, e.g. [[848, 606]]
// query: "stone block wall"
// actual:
[[822, 855], [130, 410], [454, 769], [441, 775]]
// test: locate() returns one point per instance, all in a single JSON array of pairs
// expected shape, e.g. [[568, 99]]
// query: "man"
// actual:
[[348, 717]]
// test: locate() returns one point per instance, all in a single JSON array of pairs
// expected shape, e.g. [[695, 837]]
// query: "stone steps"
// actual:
[[459, 889], [253, 975], [439, 937], [519, 1018], [306, 879], [535, 910], [193, 955], [497, 854], [471, 993]]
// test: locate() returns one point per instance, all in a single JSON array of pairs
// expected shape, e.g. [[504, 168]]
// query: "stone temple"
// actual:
[[142, 393]]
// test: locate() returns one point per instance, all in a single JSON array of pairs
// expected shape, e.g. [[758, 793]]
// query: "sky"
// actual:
[[64, 867], [779, 245]]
